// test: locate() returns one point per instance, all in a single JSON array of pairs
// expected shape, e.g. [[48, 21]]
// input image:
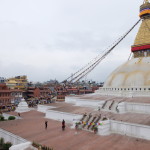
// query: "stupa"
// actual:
[[133, 77], [23, 106]]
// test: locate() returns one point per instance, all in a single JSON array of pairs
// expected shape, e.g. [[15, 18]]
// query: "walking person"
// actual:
[[19, 114], [63, 125], [76, 127], [46, 124]]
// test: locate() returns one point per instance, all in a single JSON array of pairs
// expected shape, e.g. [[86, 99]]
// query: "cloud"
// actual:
[[52, 39]]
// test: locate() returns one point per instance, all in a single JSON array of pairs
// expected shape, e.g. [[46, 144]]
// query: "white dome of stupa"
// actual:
[[133, 73]]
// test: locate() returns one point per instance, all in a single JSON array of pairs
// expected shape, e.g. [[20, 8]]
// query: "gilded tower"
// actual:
[[141, 45]]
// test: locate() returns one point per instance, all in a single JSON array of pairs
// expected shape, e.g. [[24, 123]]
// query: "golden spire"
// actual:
[[142, 40]]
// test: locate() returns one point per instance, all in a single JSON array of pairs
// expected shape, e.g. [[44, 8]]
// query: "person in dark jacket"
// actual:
[[63, 125], [46, 124]]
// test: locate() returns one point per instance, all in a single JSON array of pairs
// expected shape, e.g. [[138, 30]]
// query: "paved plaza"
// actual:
[[31, 127]]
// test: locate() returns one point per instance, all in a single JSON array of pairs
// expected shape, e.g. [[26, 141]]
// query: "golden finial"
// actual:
[[146, 1]]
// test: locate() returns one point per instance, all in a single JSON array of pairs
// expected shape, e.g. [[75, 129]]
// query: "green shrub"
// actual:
[[78, 123], [3, 145], [42, 147], [1, 141], [2, 118], [105, 118], [7, 145], [11, 118], [95, 128]]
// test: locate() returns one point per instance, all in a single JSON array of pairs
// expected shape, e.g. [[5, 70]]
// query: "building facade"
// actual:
[[38, 92], [2, 80], [16, 95], [5, 95], [18, 82]]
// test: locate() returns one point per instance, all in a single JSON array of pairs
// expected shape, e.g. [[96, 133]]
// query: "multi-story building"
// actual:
[[2, 80], [16, 95], [5, 95], [18, 82], [36, 92], [11, 83]]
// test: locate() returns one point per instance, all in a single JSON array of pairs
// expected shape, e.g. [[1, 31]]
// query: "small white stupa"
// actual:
[[23, 106]]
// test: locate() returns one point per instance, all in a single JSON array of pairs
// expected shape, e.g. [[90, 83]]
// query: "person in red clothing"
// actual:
[[63, 125]]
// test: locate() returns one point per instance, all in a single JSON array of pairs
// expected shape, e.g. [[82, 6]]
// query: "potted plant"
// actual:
[[78, 125], [35, 144], [41, 147], [95, 129], [105, 119]]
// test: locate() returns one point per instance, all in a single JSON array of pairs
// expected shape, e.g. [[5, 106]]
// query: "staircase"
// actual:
[[90, 121], [95, 121], [87, 118], [114, 106], [104, 105], [84, 116], [107, 105], [110, 107]]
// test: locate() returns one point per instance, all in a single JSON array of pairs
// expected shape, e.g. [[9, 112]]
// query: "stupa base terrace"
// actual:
[[125, 91], [124, 128]]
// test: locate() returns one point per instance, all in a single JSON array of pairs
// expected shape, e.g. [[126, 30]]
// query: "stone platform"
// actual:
[[31, 127]]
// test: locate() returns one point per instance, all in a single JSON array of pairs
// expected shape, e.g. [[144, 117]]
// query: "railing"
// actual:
[[111, 105], [104, 105], [10, 137]]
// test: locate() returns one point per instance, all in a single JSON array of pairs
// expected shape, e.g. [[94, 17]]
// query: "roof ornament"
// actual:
[[146, 1]]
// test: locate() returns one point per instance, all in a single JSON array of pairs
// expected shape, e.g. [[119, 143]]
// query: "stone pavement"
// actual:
[[127, 117], [32, 127]]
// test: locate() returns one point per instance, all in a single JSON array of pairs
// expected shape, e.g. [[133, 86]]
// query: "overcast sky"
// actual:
[[50, 39]]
